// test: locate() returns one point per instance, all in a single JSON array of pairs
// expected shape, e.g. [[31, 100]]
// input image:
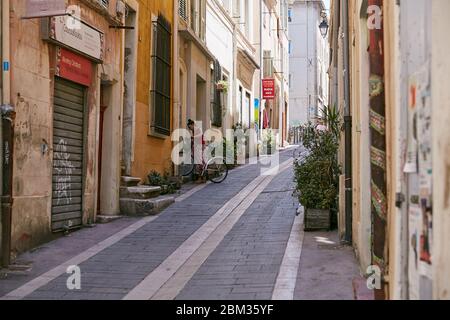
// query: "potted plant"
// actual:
[[222, 86], [317, 177], [268, 142]]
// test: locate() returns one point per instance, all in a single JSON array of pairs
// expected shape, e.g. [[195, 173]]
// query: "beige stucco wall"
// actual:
[[441, 148], [32, 70], [359, 72]]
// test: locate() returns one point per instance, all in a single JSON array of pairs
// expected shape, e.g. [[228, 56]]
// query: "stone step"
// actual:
[[129, 181], [140, 192], [103, 219], [147, 207]]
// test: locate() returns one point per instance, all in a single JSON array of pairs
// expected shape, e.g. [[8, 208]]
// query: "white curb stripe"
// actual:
[[45, 278], [175, 284], [287, 276], [166, 270]]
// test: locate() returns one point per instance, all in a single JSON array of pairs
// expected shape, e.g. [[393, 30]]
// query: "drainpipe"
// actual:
[[261, 70], [7, 115], [1, 134], [235, 80], [177, 112], [348, 128]]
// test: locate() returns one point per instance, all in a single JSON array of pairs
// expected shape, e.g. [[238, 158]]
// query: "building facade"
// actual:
[[66, 95], [399, 146], [308, 61], [148, 89], [275, 56]]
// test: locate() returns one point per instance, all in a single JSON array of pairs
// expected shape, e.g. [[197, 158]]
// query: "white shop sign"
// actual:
[[77, 35]]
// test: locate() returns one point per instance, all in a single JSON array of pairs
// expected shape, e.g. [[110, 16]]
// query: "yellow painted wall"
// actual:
[[151, 153]]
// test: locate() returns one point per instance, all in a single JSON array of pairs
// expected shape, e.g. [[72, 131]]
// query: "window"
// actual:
[[268, 64], [236, 8], [161, 76], [290, 46], [290, 15], [216, 104]]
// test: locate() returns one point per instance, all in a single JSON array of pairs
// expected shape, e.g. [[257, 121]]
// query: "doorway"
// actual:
[[200, 102], [129, 92]]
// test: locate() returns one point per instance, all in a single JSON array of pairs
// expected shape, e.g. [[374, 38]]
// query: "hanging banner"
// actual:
[[256, 111], [44, 8], [268, 86]]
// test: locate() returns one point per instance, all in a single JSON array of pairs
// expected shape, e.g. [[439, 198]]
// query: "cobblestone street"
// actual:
[[237, 240]]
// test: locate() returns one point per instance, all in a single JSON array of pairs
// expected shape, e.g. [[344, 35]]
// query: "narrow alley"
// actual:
[[240, 240]]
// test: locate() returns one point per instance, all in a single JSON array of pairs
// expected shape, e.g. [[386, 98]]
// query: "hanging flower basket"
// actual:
[[222, 86]]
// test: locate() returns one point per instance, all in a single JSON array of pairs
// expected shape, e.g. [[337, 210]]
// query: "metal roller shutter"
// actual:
[[68, 160]]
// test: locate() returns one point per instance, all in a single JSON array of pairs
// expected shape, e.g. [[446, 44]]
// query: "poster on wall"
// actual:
[[411, 165], [415, 227], [424, 134]]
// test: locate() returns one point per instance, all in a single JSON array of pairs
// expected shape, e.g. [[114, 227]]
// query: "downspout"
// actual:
[[234, 96], [1, 133], [347, 128], [177, 112], [7, 115], [261, 70], [307, 62]]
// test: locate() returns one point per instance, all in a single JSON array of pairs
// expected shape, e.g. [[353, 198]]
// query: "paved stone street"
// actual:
[[237, 240]]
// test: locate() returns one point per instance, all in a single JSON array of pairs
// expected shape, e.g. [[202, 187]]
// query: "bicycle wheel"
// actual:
[[217, 171], [186, 169]]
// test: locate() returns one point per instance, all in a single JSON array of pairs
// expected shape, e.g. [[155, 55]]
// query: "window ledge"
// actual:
[[157, 135]]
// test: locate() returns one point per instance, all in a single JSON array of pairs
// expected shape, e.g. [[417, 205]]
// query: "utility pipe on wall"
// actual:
[[7, 119], [348, 128]]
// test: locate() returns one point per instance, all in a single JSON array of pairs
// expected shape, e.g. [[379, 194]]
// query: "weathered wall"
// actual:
[[219, 39], [150, 153], [397, 238], [441, 148], [32, 66], [360, 132]]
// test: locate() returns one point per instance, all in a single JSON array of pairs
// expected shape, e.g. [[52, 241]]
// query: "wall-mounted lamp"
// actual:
[[324, 28]]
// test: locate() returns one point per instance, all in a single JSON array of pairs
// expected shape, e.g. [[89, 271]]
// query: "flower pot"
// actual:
[[317, 219]]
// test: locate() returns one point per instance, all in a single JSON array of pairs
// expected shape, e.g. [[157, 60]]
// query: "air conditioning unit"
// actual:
[[121, 9]]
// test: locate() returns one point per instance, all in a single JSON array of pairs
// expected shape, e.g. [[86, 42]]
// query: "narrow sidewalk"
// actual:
[[327, 268]]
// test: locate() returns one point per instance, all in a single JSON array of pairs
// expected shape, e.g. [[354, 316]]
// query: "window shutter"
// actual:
[[183, 9], [202, 19], [268, 64], [216, 101], [161, 82]]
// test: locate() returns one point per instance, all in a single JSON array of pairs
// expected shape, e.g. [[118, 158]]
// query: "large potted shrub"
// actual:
[[269, 142], [317, 176]]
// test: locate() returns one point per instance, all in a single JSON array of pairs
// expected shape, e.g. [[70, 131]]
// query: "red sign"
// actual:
[[73, 67], [268, 86]]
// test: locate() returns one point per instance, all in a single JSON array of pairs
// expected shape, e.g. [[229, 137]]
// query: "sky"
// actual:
[[327, 3]]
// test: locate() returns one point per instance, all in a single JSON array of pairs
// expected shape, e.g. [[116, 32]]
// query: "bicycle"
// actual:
[[215, 169]]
